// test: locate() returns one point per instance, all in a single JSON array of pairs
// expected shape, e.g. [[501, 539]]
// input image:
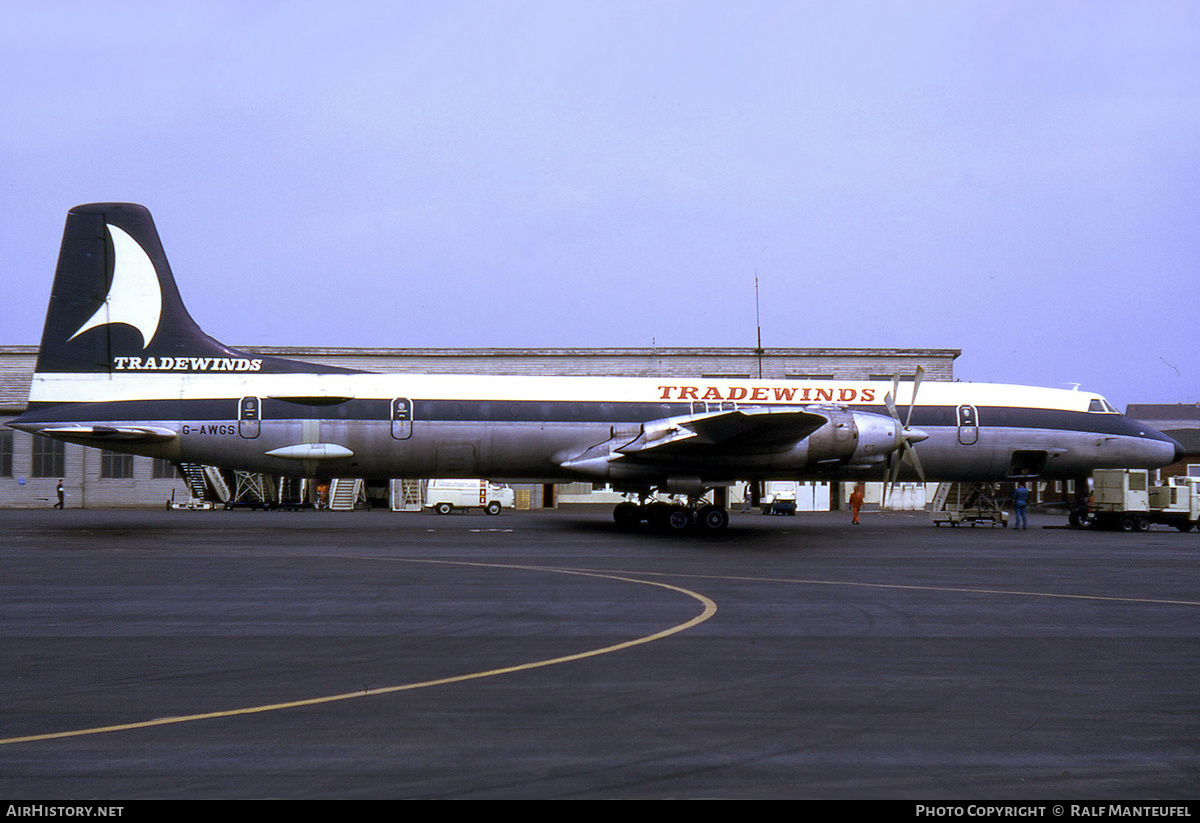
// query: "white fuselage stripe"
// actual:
[[92, 388]]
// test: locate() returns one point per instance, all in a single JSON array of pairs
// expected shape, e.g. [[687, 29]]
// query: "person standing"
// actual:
[[62, 497], [1020, 502], [856, 501]]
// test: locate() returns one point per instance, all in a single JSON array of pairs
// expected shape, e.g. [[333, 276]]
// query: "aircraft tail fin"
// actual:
[[115, 306]]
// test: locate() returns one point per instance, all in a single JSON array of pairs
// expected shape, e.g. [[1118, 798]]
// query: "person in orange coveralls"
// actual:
[[856, 501]]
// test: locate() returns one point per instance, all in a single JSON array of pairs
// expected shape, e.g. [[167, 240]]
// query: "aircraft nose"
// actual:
[[1179, 452], [1168, 445], [1166, 449]]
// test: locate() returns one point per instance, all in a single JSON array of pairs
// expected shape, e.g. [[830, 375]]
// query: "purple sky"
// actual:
[[1020, 180]]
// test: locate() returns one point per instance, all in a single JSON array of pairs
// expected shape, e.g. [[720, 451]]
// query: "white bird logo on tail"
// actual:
[[135, 297]]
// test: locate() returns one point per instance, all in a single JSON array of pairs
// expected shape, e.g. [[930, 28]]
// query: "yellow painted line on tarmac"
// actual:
[[911, 587], [710, 608]]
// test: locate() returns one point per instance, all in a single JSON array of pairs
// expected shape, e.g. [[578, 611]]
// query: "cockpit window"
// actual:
[[1099, 404]]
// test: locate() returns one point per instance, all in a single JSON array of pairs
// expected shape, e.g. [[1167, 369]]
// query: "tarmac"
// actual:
[[155, 654]]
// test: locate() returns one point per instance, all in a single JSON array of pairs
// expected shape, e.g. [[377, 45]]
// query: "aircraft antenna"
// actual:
[[758, 324]]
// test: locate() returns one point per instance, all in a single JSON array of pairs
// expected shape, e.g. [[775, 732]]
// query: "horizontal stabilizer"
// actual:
[[125, 434]]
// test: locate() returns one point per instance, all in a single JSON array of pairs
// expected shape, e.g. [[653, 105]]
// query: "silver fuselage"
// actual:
[[536, 429]]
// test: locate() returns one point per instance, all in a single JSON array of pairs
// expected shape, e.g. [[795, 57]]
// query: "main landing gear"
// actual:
[[674, 517]]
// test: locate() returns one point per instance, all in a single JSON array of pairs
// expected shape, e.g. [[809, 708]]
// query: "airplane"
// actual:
[[123, 366]]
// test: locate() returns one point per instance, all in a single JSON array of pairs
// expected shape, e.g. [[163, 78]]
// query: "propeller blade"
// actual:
[[916, 385], [910, 454], [905, 436], [893, 473]]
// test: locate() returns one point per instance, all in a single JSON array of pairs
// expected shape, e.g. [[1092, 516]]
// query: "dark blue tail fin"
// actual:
[[115, 307]]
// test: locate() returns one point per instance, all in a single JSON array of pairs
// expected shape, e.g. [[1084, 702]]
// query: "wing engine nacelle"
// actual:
[[812, 441], [852, 439]]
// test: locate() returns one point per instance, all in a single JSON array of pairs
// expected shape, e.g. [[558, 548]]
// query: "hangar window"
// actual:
[[6, 452], [117, 466], [162, 469], [49, 457]]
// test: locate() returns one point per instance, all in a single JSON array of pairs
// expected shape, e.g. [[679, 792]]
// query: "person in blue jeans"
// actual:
[[1020, 500]]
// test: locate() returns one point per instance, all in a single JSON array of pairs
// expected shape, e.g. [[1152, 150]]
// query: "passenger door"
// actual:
[[401, 418], [249, 416], [968, 425]]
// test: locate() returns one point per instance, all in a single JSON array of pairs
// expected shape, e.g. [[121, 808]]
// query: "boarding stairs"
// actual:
[[346, 493], [205, 483]]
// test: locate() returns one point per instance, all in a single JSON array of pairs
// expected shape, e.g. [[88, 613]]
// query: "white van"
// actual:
[[444, 496]]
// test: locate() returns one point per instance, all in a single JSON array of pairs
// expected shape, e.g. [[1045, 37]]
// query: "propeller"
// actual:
[[906, 436]]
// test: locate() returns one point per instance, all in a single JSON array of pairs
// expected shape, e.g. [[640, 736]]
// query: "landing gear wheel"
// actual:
[[493, 507], [712, 518], [657, 515], [443, 508], [679, 518], [627, 514]]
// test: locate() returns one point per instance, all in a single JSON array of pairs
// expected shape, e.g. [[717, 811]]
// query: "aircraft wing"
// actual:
[[735, 431], [729, 433]]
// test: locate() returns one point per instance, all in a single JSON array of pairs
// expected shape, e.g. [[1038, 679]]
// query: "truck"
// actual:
[[1124, 499], [779, 497], [444, 496]]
